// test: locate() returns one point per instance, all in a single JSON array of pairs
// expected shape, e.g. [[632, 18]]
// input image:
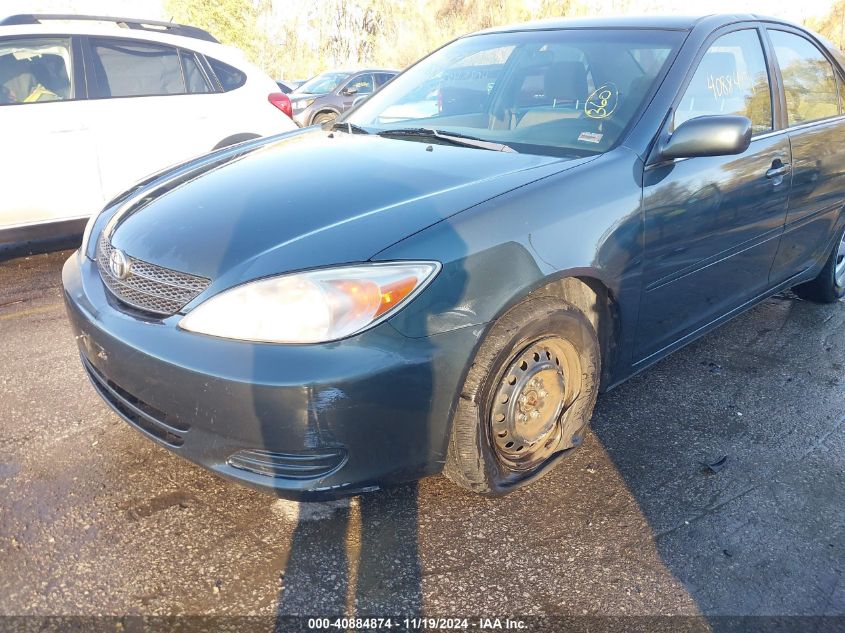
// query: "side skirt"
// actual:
[[645, 363]]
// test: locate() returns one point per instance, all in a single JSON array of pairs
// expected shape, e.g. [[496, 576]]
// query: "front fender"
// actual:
[[585, 222]]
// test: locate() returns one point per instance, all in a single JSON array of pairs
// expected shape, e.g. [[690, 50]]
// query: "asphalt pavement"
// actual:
[[711, 485]]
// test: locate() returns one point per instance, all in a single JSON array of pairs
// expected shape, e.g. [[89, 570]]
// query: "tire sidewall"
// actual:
[[838, 291], [525, 324], [323, 118]]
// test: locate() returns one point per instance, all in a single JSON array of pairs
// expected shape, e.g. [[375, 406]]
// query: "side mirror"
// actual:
[[349, 91], [718, 135]]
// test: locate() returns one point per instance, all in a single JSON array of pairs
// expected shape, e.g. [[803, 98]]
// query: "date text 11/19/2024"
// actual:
[[417, 624]]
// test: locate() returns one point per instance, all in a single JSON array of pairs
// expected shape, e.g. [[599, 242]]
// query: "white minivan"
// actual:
[[89, 105]]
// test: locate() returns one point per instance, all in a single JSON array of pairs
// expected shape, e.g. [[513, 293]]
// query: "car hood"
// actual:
[[311, 199]]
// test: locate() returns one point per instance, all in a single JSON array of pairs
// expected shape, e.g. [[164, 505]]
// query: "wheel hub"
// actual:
[[527, 406]]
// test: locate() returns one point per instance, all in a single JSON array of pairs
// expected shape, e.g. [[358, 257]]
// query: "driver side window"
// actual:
[[362, 84], [731, 79]]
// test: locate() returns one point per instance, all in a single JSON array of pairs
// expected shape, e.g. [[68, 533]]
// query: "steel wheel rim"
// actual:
[[531, 401], [839, 269]]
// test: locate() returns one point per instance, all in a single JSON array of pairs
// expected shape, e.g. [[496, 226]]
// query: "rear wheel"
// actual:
[[829, 286], [527, 398]]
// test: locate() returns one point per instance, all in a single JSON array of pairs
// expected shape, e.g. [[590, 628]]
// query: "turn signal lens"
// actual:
[[394, 293]]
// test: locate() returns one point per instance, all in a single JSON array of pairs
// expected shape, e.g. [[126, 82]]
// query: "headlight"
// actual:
[[311, 307], [299, 106]]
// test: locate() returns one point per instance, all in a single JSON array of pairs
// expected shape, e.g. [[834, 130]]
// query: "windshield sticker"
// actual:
[[590, 137], [602, 102]]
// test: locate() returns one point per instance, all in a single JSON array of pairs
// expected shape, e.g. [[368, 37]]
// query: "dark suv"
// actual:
[[328, 95]]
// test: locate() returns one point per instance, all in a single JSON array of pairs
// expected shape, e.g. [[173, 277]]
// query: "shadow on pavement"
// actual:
[[363, 559], [733, 450]]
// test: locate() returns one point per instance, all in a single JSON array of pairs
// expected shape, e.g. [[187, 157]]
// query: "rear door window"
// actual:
[[35, 70], [808, 79], [230, 78], [136, 69], [731, 79]]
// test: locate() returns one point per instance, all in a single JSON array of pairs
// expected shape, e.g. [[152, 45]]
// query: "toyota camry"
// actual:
[[444, 279]]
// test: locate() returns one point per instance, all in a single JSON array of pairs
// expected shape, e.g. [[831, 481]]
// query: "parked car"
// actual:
[[89, 105], [333, 311], [325, 97]]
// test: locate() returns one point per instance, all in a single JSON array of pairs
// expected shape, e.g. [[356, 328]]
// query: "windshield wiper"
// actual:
[[452, 137], [349, 128]]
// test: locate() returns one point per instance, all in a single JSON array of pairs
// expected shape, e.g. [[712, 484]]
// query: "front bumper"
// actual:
[[302, 422]]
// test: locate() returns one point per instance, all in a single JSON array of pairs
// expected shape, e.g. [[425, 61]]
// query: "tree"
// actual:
[[831, 26], [296, 39], [233, 22]]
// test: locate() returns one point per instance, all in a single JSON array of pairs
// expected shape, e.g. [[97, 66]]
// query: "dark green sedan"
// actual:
[[445, 279]]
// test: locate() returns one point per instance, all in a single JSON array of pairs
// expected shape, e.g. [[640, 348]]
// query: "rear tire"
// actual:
[[527, 397], [829, 286]]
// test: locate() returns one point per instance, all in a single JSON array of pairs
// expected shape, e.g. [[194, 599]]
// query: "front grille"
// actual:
[[148, 287]]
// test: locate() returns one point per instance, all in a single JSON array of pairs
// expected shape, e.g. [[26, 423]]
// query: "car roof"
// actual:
[[665, 22], [223, 52], [355, 71]]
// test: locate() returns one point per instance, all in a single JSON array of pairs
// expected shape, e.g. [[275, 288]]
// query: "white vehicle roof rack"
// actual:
[[127, 23]]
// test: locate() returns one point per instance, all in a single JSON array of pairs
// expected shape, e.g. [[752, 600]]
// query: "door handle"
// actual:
[[779, 170]]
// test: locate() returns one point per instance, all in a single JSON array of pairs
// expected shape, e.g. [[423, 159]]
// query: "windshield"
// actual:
[[558, 92], [322, 83]]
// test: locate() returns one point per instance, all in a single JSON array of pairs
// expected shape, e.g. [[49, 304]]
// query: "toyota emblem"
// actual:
[[119, 264]]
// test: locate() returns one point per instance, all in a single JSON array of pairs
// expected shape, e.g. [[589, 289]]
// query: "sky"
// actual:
[[152, 9]]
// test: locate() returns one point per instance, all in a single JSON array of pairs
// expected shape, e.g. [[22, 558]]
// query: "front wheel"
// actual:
[[829, 286], [527, 398], [324, 117]]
